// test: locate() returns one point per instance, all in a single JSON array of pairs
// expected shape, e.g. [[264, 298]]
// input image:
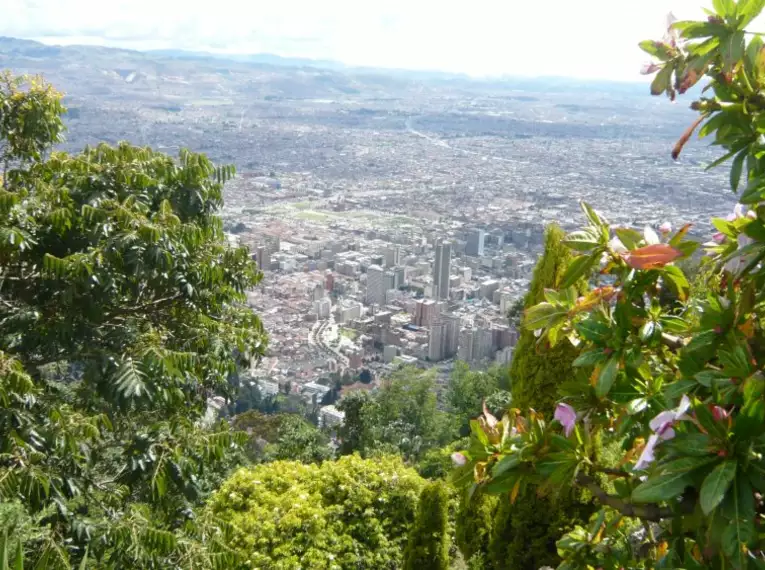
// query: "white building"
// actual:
[[375, 286], [330, 416]]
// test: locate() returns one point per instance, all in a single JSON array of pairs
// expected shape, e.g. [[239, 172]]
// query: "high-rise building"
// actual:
[[436, 341], [322, 308], [425, 312], [375, 286], [452, 336], [318, 292], [329, 281], [392, 255], [441, 270], [399, 274], [389, 280], [475, 243]]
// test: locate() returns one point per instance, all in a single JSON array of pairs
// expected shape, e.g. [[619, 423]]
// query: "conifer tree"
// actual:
[[525, 531], [428, 547], [535, 370], [475, 524]]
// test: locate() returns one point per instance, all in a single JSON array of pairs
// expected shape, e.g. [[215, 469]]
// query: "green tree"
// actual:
[[121, 316], [402, 415], [348, 514], [525, 531], [428, 546], [475, 524], [466, 391], [537, 370], [298, 440]]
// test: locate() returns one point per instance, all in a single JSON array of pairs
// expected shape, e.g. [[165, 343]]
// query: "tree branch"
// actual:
[[673, 342], [144, 307], [649, 512]]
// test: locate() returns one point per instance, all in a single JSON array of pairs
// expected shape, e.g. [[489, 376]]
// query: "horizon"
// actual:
[[597, 38]]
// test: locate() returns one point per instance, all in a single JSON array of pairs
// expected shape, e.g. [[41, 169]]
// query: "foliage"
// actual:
[[436, 463], [467, 389], [680, 385], [537, 369], [428, 546], [120, 319], [401, 416], [475, 524], [282, 437], [350, 513]]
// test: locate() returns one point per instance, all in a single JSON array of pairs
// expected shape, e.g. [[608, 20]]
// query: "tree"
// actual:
[[466, 392], [299, 440], [674, 382], [428, 546], [525, 532], [402, 415], [537, 370], [350, 513], [121, 316], [475, 524]]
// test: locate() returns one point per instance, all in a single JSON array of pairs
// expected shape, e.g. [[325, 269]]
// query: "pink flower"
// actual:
[[459, 459], [566, 415], [740, 211], [719, 237], [665, 228], [650, 68], [662, 427], [720, 413]]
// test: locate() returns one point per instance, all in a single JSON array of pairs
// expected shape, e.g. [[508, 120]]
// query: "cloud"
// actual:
[[589, 38]]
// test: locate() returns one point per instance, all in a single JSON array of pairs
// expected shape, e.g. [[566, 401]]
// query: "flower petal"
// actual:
[[459, 459], [647, 457], [566, 415]]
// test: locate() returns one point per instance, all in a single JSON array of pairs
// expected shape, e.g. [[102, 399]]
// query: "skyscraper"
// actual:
[[375, 286], [392, 255], [441, 270], [436, 341], [452, 334], [475, 243]]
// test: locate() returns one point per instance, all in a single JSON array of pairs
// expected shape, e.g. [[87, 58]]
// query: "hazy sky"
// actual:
[[578, 38]]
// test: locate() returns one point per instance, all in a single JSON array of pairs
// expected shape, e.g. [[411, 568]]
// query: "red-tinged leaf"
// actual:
[[652, 256], [685, 136]]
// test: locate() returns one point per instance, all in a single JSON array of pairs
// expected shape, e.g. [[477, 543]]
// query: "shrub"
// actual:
[[428, 546], [351, 513]]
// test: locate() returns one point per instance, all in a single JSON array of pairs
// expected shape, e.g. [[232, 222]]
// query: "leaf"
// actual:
[[607, 376], [629, 237], [129, 380], [652, 256], [578, 267], [716, 484], [661, 488], [675, 277], [748, 10], [589, 358], [696, 444], [735, 362], [594, 331], [732, 50], [592, 216], [736, 169], [542, 315], [686, 464], [583, 240], [662, 80]]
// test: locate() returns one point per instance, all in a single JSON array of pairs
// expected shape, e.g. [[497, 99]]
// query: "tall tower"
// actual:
[[375, 286], [441, 270], [392, 255], [475, 243]]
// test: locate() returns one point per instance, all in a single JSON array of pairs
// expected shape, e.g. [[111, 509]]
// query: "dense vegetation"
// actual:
[[350, 513], [122, 317], [673, 381]]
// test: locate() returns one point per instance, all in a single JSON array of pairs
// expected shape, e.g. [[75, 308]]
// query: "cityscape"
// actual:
[[396, 217]]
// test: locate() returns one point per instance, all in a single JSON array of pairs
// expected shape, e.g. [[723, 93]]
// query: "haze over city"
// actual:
[[587, 39]]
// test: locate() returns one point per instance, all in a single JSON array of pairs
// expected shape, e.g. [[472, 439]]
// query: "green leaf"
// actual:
[[735, 362], [677, 280], [748, 10], [507, 463], [696, 444], [630, 238], [661, 488], [736, 169], [662, 80], [583, 240], [590, 358], [693, 29], [592, 216], [716, 485], [579, 267], [542, 315], [724, 8], [686, 464], [594, 331], [607, 376]]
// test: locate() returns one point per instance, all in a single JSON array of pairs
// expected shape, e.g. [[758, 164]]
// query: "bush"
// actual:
[[676, 380], [349, 514], [428, 546], [475, 524]]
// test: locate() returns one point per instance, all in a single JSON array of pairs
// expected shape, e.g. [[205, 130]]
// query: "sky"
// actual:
[[594, 39]]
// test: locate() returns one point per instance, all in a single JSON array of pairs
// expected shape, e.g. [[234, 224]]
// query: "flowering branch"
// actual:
[[649, 512]]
